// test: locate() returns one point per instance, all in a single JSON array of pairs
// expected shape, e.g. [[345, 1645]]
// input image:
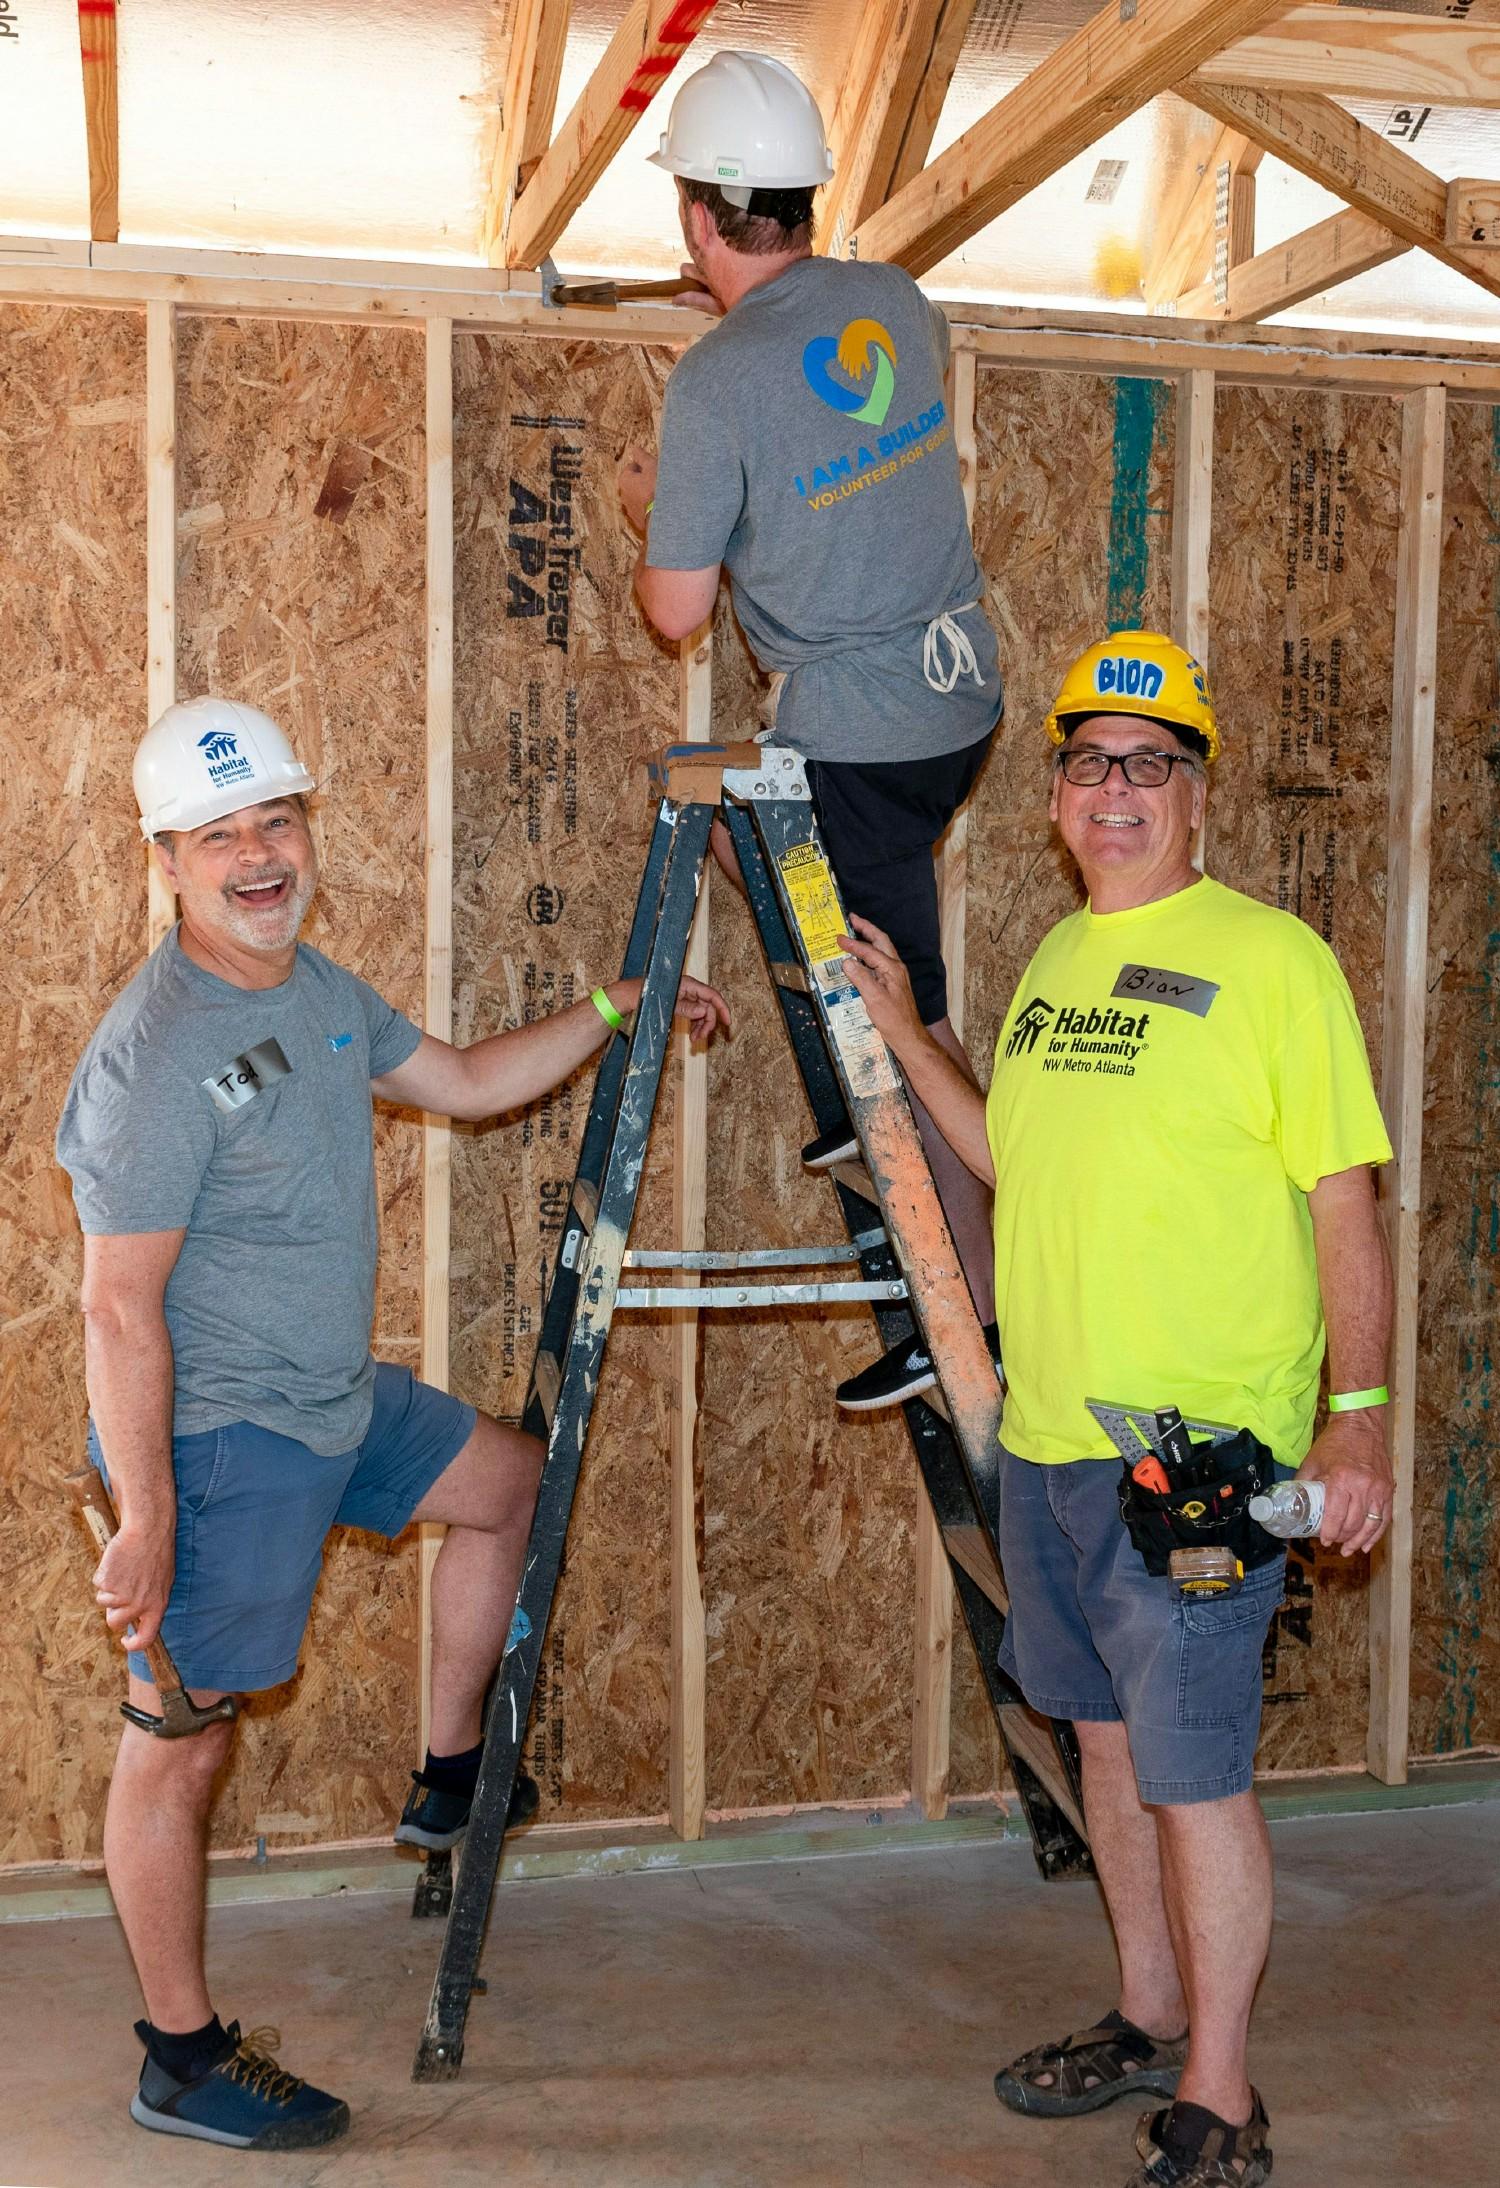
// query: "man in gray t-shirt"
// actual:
[[218, 1132], [807, 450]]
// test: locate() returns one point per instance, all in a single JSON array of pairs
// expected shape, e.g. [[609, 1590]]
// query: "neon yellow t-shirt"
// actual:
[[1170, 1084]]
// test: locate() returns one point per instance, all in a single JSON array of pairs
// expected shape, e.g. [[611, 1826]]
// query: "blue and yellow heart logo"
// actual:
[[864, 345]]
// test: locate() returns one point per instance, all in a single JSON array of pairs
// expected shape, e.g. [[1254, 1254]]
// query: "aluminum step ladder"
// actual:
[[908, 1271]]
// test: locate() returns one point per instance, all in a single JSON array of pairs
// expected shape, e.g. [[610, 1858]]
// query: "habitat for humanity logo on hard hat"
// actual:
[[223, 758], [863, 345]]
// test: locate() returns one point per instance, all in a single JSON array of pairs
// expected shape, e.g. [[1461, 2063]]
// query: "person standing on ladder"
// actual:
[[1183, 1128], [218, 1134], [806, 448]]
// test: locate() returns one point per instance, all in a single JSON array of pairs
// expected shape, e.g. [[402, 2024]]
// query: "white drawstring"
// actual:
[[964, 661]]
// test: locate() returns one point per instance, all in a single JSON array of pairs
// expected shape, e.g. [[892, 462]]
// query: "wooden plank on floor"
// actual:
[[1404, 1029]]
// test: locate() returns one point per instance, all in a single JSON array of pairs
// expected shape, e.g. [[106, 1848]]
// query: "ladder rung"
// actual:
[[856, 1177], [971, 1548], [885, 1291], [546, 1379], [790, 976], [751, 1257], [1030, 1737], [586, 1202]]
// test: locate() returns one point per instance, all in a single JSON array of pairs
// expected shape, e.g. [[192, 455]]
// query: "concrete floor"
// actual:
[[825, 2024]]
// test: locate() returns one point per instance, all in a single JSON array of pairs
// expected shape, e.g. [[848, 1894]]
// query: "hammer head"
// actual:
[[181, 1717]]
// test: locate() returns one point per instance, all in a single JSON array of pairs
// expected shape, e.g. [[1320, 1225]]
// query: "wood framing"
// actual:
[[1332, 251], [1367, 53], [1474, 213], [101, 115], [528, 100], [888, 106], [1377, 178], [1115, 63], [1192, 512], [437, 1006], [633, 68], [687, 1776], [1188, 228], [1403, 1041], [932, 1660], [161, 563]]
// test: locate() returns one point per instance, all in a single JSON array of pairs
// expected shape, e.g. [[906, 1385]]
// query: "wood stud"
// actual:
[[437, 1014], [1403, 1042]]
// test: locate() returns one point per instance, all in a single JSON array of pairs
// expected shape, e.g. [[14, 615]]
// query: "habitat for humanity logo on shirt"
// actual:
[[863, 353]]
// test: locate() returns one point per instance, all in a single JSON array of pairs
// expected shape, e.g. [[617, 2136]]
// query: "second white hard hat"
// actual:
[[746, 123], [207, 757]]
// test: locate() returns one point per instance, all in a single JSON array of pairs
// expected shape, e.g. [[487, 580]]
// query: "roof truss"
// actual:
[[101, 111], [1319, 258], [888, 106], [528, 101], [1112, 65], [1374, 176], [632, 69], [1365, 53]]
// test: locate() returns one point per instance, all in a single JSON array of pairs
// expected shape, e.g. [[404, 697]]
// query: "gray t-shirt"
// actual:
[[243, 1115], [806, 445]]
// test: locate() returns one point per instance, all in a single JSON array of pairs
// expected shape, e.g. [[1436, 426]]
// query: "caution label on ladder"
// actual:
[[814, 901]]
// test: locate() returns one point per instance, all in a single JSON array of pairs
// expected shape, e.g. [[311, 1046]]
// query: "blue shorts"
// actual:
[[253, 1509], [1093, 1636]]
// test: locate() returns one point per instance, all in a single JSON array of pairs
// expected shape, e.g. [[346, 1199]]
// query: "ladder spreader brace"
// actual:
[[908, 1271]]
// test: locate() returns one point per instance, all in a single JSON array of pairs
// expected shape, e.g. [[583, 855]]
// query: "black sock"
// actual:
[[453, 1773], [186, 2056]]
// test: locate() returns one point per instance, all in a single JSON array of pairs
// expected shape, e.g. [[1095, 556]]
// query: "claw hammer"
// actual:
[[181, 1716]]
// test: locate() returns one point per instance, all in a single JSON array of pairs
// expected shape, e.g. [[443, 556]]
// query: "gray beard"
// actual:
[[258, 930]]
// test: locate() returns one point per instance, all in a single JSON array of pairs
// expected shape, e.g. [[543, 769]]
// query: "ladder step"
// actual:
[[1031, 1737], [586, 1202], [856, 1178], [546, 1377], [790, 976], [971, 1548]]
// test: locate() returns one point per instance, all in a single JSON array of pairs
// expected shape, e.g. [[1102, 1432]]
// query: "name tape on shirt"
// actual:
[[1179, 990], [240, 1081]]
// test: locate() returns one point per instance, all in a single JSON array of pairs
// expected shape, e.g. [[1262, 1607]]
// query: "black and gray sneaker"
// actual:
[[244, 2100], [436, 1817], [839, 1145], [903, 1372]]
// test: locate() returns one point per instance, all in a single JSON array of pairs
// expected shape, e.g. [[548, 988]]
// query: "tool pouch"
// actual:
[[1210, 1514]]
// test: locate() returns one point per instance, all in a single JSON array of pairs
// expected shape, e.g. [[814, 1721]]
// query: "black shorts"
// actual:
[[880, 822]]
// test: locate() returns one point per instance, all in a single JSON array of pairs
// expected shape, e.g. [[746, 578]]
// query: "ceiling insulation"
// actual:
[[337, 128]]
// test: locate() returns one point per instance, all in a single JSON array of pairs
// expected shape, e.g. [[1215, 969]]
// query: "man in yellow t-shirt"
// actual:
[[1181, 1130]]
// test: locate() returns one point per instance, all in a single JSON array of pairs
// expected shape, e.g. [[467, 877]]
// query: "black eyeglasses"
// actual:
[[1144, 770]]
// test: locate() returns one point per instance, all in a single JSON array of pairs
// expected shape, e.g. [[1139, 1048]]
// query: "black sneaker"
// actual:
[[437, 1818], [904, 1372], [839, 1145], [245, 2099]]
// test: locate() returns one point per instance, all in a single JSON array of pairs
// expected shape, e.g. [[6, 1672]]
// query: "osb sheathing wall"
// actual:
[[301, 584]]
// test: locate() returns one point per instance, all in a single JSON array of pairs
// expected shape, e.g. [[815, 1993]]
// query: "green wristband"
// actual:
[[1352, 1401], [606, 1010]]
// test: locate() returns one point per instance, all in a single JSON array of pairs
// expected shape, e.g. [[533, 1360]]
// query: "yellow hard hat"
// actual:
[[1137, 672]]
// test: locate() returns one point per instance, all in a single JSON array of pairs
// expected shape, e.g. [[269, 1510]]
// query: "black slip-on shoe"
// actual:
[[839, 1145], [903, 1372]]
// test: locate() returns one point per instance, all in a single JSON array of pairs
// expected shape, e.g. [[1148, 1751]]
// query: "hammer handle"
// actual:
[[93, 1501]]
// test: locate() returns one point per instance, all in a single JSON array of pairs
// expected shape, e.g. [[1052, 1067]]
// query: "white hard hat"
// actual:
[[207, 757], [747, 123]]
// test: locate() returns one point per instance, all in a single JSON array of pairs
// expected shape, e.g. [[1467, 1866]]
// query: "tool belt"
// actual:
[[1211, 1514]]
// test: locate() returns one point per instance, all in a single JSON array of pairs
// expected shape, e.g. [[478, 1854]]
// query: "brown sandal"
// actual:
[[1205, 2152], [1092, 2068]]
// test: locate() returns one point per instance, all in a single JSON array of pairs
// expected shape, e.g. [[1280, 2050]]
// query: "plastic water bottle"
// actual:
[[1292, 1508]]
